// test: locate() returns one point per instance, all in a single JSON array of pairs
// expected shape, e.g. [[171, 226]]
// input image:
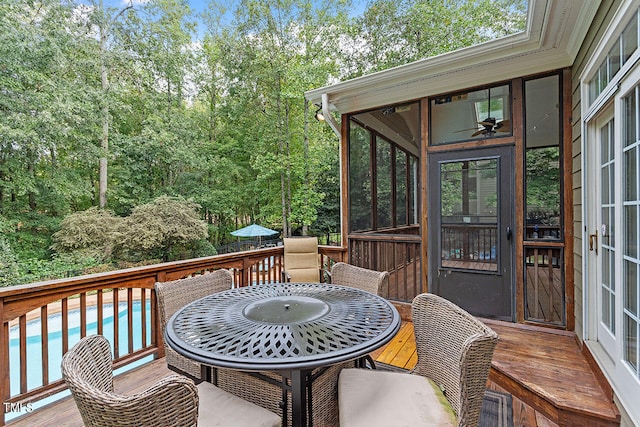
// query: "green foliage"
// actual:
[[165, 226], [543, 184], [8, 264], [92, 232]]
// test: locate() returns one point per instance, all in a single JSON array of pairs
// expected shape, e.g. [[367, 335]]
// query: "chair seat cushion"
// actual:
[[218, 408], [378, 398]]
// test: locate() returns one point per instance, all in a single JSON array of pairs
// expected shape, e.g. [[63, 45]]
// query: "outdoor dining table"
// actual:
[[287, 328]]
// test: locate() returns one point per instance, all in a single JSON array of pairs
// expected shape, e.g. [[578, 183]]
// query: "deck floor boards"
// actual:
[[540, 370]]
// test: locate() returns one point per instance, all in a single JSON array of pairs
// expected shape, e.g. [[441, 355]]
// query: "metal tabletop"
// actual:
[[282, 326]]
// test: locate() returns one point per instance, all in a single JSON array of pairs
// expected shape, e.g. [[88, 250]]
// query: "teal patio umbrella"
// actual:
[[254, 230]]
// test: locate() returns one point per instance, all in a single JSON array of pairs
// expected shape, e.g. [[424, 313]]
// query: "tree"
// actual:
[[161, 228], [105, 21], [46, 110], [396, 32], [91, 231]]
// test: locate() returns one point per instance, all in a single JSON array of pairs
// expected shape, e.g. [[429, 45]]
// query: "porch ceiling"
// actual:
[[555, 30]]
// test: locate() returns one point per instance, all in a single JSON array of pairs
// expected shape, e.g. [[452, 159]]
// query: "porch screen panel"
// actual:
[[360, 191], [543, 182], [469, 219], [631, 222], [413, 190], [384, 198], [401, 188]]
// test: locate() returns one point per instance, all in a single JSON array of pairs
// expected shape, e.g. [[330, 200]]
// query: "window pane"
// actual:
[[603, 77], [473, 115], [630, 175], [605, 182], [631, 228], [631, 341], [359, 179], [593, 90], [606, 308], [630, 119], [606, 223], [383, 183], [630, 39], [401, 188], [614, 60], [631, 291]]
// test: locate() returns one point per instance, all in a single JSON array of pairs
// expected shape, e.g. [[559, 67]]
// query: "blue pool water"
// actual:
[[34, 344]]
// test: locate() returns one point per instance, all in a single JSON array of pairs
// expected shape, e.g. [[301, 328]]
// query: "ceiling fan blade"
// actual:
[[465, 130], [480, 132], [503, 126]]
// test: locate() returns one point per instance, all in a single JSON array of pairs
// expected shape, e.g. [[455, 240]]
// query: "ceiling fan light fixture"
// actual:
[[319, 115]]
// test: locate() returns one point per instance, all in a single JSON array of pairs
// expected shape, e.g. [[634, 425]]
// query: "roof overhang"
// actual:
[[555, 30]]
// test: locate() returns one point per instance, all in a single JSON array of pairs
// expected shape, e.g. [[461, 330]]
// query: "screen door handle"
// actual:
[[508, 233]]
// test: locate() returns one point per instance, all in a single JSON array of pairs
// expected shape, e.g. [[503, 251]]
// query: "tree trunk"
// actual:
[[305, 226], [104, 139]]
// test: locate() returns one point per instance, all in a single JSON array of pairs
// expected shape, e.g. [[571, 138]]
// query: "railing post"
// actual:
[[5, 380], [246, 272], [155, 316]]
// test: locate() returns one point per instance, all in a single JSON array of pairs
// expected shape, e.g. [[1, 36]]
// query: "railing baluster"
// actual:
[[100, 312], [536, 283], [5, 378], [65, 325], [23, 353], [44, 340], [143, 316], [116, 322], [83, 315], [130, 319], [550, 282]]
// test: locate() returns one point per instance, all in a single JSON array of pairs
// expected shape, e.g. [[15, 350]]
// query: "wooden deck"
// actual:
[[545, 371]]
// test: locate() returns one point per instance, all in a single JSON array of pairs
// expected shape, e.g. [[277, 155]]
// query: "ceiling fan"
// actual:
[[490, 127]]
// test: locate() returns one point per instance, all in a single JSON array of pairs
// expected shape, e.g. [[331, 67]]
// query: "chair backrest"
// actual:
[[174, 295], [87, 371], [301, 259], [454, 350], [372, 281]]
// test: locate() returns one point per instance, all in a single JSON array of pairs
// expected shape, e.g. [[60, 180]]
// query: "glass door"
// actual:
[[471, 213], [602, 242]]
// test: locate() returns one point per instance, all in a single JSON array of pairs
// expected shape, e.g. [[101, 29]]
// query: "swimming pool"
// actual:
[[54, 323]]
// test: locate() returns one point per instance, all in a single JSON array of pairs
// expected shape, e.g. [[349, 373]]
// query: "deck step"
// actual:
[[546, 369]]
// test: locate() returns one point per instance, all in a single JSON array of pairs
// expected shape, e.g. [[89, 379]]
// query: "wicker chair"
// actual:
[[361, 278], [174, 295], [364, 279], [171, 401], [301, 260], [446, 387]]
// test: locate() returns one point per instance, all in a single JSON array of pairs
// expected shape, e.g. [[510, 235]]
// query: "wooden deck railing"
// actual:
[[399, 254], [135, 336], [544, 285]]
